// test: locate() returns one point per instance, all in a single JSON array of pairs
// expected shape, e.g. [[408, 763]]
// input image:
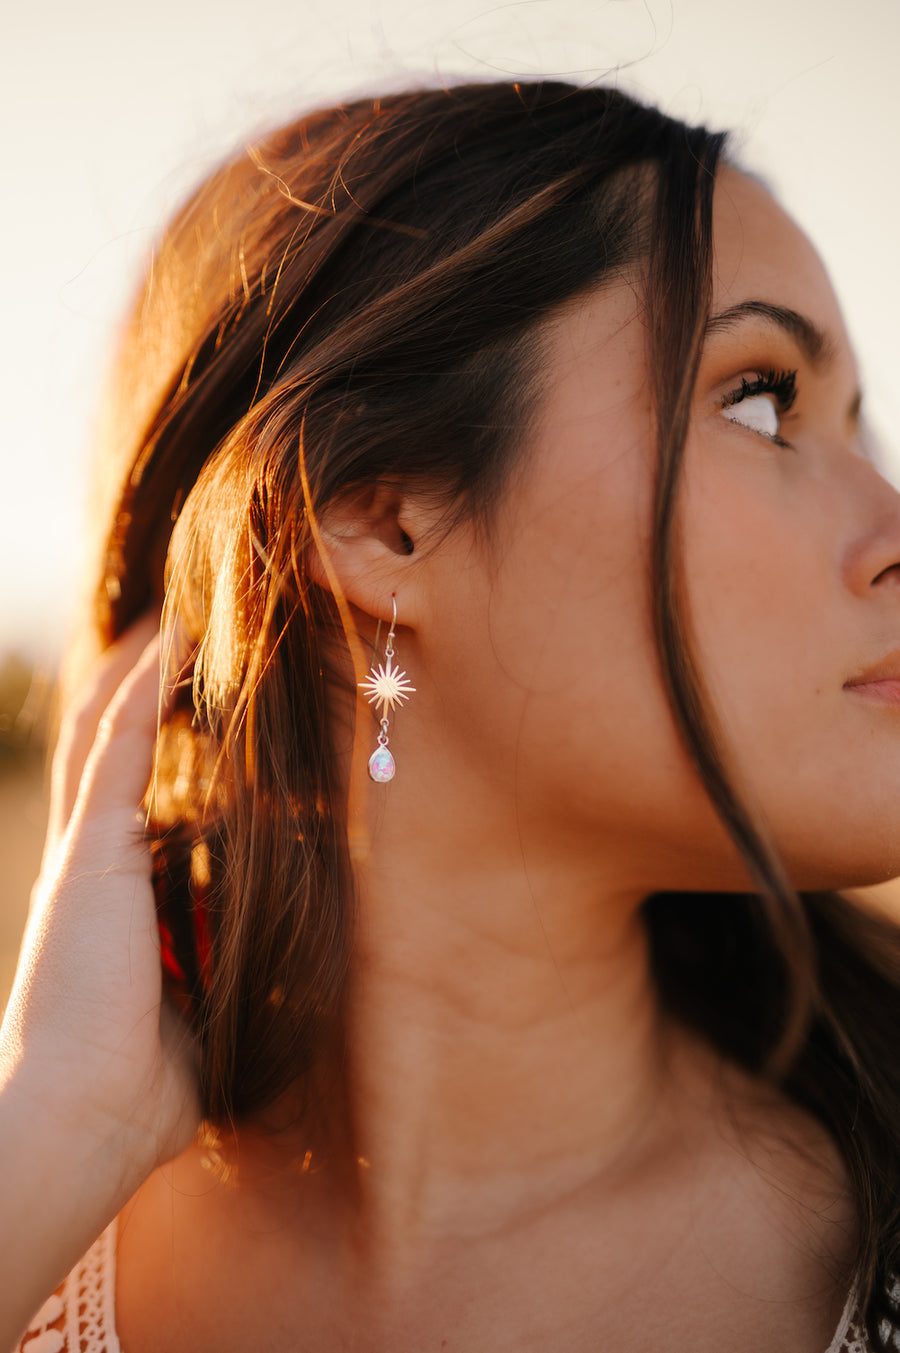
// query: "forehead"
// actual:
[[759, 253], [596, 346]]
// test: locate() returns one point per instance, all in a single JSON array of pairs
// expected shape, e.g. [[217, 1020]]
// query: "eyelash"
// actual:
[[781, 384]]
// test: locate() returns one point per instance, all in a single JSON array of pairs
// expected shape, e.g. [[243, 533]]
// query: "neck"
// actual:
[[504, 1042], [502, 1046]]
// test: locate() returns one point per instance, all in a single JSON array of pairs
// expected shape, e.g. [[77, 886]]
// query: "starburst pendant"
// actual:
[[387, 687]]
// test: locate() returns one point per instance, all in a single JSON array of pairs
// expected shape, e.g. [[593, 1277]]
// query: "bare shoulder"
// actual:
[[778, 1215], [793, 1164]]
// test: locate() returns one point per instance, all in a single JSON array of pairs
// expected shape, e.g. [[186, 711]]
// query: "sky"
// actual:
[[112, 111]]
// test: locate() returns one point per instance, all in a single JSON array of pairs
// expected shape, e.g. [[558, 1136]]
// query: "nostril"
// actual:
[[891, 574]]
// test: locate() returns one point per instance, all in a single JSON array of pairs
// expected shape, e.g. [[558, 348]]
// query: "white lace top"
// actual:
[[80, 1318]]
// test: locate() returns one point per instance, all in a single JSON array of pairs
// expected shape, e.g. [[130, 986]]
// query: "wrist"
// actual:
[[61, 1183], [62, 1127]]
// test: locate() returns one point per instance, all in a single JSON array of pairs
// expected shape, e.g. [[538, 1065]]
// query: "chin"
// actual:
[[832, 850], [845, 875]]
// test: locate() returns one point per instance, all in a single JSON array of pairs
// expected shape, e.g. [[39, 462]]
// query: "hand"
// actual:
[[87, 1031]]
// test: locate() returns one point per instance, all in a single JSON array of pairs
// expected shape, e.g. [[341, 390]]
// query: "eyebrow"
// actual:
[[815, 344]]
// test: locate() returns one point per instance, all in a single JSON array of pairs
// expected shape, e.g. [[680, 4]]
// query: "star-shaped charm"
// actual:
[[387, 687]]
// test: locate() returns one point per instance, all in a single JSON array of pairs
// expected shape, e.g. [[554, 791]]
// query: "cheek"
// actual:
[[566, 691], [758, 591], [775, 634]]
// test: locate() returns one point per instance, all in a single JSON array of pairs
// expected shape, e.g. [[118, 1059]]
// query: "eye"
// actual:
[[761, 403], [757, 412]]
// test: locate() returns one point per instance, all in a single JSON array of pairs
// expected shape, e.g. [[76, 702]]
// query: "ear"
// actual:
[[366, 550]]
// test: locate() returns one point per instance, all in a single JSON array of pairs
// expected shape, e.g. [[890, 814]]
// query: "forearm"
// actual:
[[97, 1077], [60, 1185]]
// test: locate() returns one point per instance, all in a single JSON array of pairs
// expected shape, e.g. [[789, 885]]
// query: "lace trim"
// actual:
[[850, 1335], [80, 1316]]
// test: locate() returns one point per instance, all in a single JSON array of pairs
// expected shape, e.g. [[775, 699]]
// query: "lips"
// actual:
[[879, 682]]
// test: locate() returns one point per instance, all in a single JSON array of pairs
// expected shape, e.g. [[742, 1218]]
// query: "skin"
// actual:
[[516, 1149]]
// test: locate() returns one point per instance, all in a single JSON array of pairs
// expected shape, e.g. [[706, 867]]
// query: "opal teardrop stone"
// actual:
[[381, 766]]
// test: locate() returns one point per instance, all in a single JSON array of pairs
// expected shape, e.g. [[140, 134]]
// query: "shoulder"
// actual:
[[771, 1204], [784, 1168]]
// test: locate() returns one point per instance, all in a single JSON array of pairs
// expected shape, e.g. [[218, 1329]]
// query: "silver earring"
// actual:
[[387, 688]]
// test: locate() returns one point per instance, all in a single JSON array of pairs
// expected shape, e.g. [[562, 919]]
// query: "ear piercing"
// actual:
[[387, 688]]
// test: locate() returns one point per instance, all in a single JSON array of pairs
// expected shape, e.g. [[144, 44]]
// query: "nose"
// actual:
[[872, 558]]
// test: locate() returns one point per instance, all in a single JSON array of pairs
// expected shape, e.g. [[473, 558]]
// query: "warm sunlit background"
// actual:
[[112, 111]]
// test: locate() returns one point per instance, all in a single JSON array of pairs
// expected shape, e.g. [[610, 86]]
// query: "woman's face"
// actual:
[[542, 659]]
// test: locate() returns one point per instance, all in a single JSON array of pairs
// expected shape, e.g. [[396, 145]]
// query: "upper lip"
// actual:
[[888, 669]]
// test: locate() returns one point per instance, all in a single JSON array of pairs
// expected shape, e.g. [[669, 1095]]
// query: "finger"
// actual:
[[79, 726], [119, 763]]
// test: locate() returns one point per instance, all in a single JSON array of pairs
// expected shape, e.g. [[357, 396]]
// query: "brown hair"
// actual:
[[355, 299]]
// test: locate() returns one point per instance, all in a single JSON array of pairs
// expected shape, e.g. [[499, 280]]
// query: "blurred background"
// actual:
[[112, 112]]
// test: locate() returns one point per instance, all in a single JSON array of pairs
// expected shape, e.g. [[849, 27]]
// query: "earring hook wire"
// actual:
[[390, 631]]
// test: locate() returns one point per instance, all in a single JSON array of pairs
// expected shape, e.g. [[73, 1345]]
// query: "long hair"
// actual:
[[355, 299]]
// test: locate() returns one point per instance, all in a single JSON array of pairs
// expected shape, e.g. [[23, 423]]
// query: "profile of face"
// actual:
[[535, 655]]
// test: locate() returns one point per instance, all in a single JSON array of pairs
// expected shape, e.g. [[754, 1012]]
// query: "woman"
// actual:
[[511, 442]]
